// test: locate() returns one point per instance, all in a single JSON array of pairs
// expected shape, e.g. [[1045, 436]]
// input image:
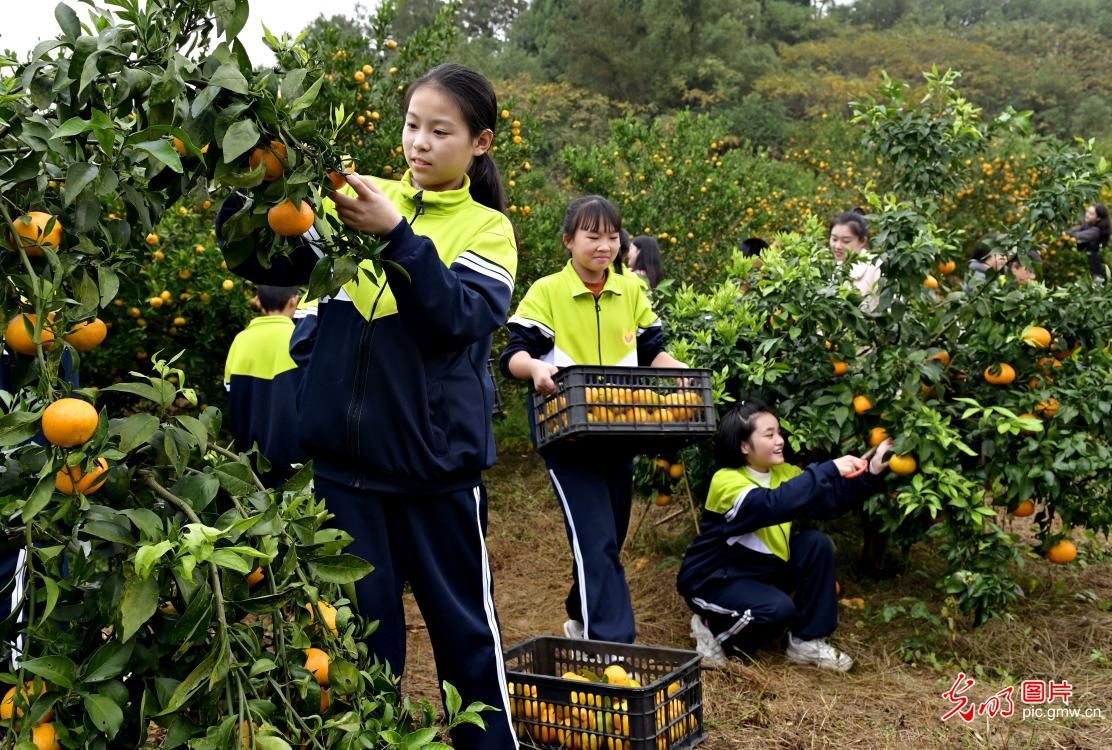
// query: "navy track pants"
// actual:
[[437, 544], [595, 493], [746, 612]]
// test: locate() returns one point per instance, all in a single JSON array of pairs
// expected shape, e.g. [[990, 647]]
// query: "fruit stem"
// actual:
[[296, 715]]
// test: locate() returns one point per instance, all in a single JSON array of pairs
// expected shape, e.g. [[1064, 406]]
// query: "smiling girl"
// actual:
[[746, 575], [588, 314]]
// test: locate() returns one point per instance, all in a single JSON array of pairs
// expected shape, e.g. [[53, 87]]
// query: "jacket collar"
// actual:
[[444, 200], [578, 288]]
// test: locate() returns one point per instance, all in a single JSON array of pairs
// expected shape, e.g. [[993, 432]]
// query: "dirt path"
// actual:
[[1062, 632]]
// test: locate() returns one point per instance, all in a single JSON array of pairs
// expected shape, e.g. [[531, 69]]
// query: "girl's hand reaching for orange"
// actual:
[[878, 465], [370, 210], [850, 466]]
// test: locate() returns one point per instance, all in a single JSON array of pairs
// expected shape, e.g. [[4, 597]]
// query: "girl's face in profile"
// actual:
[[765, 447], [631, 255], [843, 241], [592, 251]]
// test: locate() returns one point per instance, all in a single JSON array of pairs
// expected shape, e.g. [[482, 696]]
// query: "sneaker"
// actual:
[[706, 644], [818, 653], [574, 629]]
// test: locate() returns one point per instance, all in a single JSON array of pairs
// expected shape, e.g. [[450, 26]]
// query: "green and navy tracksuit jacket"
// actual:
[[560, 321], [396, 397], [747, 520], [262, 381]]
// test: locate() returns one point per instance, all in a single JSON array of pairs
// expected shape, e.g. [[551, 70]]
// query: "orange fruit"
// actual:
[[943, 357], [71, 480], [179, 145], [662, 500], [947, 266], [325, 700], [1063, 552], [1048, 408], [45, 737], [338, 180], [87, 335], [662, 464], [19, 340], [28, 694], [1036, 336], [273, 157], [32, 228], [1024, 509], [840, 367], [69, 422], [877, 435], [359, 76], [255, 577], [328, 612], [288, 220], [930, 282], [903, 465], [862, 404], [317, 661], [676, 470], [152, 239], [1004, 375]]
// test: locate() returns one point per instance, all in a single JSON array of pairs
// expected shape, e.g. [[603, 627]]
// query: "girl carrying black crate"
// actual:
[[589, 313]]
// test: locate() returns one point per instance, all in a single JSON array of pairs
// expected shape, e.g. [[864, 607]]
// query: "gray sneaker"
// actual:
[[574, 629], [819, 653], [706, 644]]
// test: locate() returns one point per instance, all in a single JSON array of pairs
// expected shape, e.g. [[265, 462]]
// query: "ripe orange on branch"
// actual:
[[289, 220], [877, 435], [69, 422], [87, 335], [862, 404], [274, 157], [31, 227], [1000, 374], [1024, 509], [903, 465], [19, 339], [1036, 336], [1063, 552], [71, 480], [317, 661]]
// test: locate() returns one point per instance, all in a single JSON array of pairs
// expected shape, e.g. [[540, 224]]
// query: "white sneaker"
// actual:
[[818, 653], [574, 629], [706, 644]]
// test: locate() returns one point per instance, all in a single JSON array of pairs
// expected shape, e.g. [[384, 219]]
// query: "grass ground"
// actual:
[[1061, 631]]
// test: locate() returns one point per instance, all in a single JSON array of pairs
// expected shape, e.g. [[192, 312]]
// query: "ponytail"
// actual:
[[486, 183]]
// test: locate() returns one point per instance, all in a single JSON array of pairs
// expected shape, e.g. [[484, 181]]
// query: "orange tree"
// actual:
[[991, 391], [167, 594]]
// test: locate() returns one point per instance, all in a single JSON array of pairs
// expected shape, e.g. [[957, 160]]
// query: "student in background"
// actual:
[[262, 381], [645, 259], [1092, 236]]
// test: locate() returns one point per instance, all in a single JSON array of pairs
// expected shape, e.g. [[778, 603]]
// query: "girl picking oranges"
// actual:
[[396, 401], [589, 313]]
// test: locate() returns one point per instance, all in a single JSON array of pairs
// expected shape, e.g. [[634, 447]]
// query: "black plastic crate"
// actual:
[[498, 409], [548, 710], [655, 406]]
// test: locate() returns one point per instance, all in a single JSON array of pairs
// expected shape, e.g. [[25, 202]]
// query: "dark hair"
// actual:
[[752, 246], [1103, 224], [274, 298], [984, 247], [623, 250], [649, 260], [856, 223], [478, 104], [591, 213], [736, 428]]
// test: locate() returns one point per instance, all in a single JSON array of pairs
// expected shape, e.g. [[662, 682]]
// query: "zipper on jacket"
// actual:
[[598, 329], [363, 351]]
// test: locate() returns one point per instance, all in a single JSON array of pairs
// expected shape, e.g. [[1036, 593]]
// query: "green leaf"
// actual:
[[197, 489], [230, 560], [196, 429], [109, 284], [40, 497], [164, 152], [306, 100], [344, 677], [235, 478], [109, 661], [78, 177], [452, 700], [67, 20], [52, 592], [104, 713], [17, 427], [54, 669], [418, 739], [262, 666], [136, 429], [137, 605], [228, 76], [340, 569], [147, 521], [143, 390], [148, 555], [71, 127], [240, 137]]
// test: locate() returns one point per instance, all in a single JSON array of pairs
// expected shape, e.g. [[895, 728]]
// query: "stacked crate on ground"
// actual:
[[556, 701]]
